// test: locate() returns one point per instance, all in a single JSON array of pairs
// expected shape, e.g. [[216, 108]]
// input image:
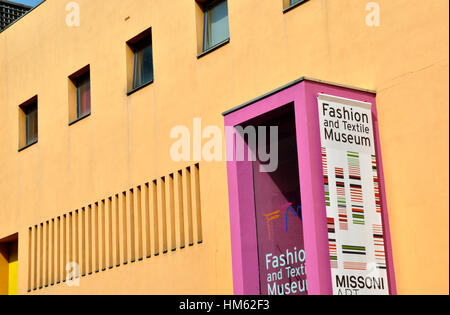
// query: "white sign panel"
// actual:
[[352, 197]]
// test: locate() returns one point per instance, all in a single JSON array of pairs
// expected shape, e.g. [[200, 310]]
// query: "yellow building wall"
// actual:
[[4, 270], [126, 142], [13, 269]]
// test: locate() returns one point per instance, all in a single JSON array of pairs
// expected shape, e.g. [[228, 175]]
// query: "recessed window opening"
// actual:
[[216, 26], [140, 59], [28, 121], [80, 95]]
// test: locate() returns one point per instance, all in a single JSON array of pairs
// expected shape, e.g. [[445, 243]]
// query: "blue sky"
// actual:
[[28, 2]]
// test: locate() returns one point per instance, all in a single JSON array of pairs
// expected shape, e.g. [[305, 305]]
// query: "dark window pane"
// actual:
[[279, 220], [84, 96], [216, 25], [278, 210], [31, 124], [143, 66]]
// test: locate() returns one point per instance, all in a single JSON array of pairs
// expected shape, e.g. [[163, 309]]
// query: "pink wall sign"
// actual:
[[278, 216]]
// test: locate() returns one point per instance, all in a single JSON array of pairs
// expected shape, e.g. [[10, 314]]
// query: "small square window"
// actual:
[[140, 54], [216, 28], [80, 95], [28, 121]]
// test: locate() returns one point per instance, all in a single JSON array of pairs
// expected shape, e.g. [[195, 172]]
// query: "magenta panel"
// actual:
[[244, 231]]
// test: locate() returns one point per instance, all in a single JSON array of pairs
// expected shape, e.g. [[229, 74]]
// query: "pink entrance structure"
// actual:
[[302, 94]]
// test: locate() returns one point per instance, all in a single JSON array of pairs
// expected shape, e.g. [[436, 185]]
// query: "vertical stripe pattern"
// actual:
[[356, 194]]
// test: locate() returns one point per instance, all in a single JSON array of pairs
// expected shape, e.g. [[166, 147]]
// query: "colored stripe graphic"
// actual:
[[330, 225], [332, 243], [353, 250], [355, 265], [378, 241], [330, 221], [376, 184], [356, 194], [341, 199], [333, 253], [325, 176]]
